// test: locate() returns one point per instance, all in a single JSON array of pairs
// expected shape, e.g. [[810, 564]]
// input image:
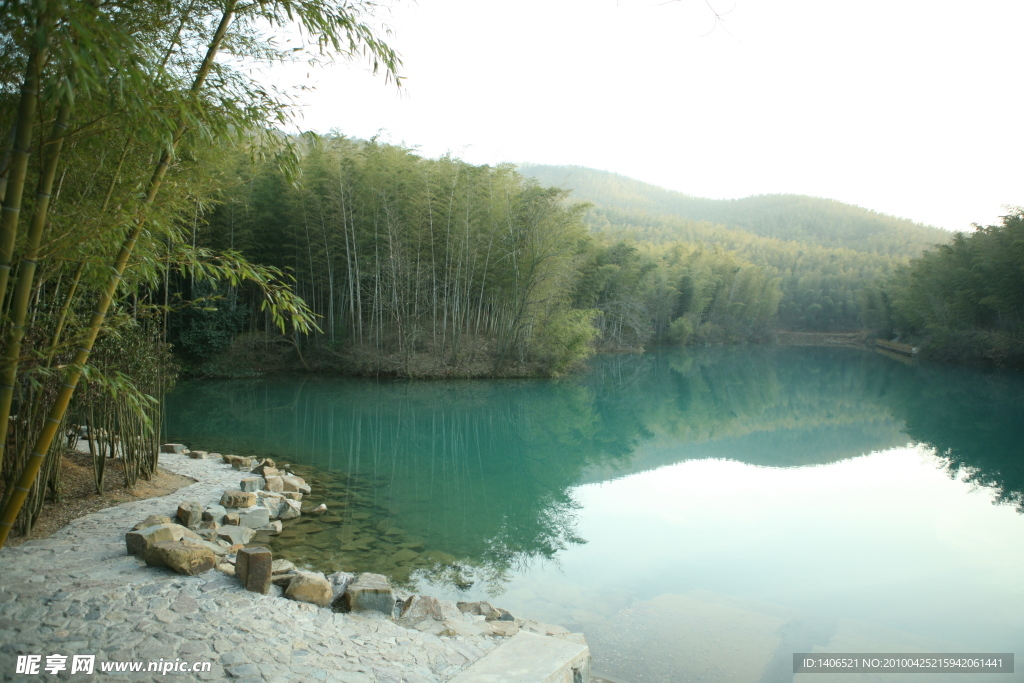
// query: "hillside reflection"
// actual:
[[483, 471]]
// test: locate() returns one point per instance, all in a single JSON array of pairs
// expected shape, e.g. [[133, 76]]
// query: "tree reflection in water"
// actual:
[[483, 471]]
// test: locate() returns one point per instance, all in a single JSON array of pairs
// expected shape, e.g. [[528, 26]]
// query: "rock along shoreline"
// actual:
[[79, 592]]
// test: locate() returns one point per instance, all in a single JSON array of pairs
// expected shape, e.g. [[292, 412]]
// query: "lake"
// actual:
[[697, 514]]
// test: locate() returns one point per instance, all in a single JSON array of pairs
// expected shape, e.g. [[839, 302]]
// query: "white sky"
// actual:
[[908, 107]]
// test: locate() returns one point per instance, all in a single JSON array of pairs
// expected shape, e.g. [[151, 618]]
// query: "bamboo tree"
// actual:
[[330, 24], [74, 372], [20, 152], [27, 266]]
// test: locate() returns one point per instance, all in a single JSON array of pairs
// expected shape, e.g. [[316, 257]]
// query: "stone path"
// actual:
[[78, 592]]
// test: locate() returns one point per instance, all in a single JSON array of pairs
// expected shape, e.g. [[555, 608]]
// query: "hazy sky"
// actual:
[[908, 107]]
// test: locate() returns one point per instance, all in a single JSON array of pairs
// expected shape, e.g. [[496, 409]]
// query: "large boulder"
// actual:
[[420, 607], [292, 482], [369, 593], [172, 448], [237, 461], [197, 455], [152, 520], [185, 557], [238, 499], [274, 483], [310, 587], [138, 542], [253, 569], [190, 513], [319, 509]]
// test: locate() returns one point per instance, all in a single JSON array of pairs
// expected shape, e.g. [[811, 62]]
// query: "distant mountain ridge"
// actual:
[[824, 222]]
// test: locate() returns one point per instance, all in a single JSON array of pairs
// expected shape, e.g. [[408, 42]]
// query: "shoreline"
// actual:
[[78, 591]]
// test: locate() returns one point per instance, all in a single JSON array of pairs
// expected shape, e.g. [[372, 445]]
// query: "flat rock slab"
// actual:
[[529, 658]]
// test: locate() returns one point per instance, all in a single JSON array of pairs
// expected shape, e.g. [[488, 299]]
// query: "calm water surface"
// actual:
[[698, 515]]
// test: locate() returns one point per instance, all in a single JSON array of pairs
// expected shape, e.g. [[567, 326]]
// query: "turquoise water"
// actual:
[[698, 515]]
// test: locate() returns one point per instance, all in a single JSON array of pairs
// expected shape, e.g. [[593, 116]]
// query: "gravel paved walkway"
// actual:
[[78, 592]]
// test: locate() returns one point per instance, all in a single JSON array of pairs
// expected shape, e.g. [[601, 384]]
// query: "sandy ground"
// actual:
[[79, 497]]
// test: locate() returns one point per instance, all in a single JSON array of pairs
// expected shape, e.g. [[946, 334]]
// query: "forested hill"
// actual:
[[823, 222]]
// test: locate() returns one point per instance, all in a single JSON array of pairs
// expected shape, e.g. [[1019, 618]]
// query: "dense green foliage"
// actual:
[[963, 301], [822, 252], [415, 267], [420, 267]]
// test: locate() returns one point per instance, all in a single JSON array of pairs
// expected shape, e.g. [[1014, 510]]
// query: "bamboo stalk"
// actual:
[[27, 270], [15, 188]]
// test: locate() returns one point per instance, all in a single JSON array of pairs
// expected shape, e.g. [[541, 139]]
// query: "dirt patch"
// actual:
[[78, 494]]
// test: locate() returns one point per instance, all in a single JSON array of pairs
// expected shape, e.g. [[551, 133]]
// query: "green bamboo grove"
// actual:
[[961, 302], [108, 114], [434, 267]]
